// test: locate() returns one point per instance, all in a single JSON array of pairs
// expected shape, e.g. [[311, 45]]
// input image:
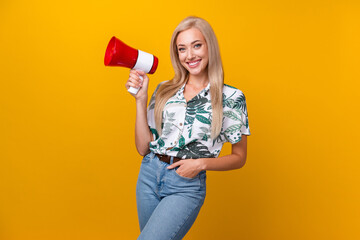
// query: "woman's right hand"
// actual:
[[135, 82]]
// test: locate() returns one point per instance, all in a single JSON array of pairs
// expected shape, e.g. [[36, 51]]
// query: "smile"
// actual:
[[194, 64]]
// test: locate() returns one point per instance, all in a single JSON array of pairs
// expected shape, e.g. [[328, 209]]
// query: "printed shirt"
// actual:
[[186, 126]]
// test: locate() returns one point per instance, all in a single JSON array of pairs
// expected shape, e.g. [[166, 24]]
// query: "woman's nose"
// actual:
[[190, 55]]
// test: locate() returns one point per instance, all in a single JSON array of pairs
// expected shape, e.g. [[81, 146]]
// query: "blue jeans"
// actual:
[[167, 203]]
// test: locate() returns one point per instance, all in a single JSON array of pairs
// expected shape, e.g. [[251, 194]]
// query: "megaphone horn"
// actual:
[[121, 55]]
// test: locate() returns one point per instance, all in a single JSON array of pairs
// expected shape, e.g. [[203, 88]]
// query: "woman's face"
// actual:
[[193, 51]]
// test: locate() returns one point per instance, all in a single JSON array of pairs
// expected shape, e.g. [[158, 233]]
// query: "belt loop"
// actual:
[[171, 160]]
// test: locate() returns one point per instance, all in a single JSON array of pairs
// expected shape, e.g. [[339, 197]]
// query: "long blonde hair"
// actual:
[[214, 69]]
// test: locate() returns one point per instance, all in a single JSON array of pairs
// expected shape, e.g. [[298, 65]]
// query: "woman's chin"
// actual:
[[195, 72]]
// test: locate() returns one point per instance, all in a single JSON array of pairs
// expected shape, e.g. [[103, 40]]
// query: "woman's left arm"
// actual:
[[235, 160], [191, 167]]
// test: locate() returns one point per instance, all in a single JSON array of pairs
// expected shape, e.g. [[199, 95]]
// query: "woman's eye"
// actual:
[[181, 49], [197, 45]]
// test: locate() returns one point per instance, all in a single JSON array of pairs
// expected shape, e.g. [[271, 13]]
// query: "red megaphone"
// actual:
[[119, 54]]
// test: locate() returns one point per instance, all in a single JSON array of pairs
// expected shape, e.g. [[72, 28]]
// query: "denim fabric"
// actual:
[[167, 203]]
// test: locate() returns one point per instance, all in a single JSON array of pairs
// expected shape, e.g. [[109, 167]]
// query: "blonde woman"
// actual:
[[182, 130]]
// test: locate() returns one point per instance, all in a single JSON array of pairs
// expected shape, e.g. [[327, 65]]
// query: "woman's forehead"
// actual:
[[188, 36]]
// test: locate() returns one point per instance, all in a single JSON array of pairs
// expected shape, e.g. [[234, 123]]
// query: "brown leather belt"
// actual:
[[166, 158]]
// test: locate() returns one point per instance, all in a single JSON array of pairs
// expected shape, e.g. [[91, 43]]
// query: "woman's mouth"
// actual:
[[194, 64]]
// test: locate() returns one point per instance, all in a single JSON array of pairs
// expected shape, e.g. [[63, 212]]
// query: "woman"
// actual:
[[181, 132]]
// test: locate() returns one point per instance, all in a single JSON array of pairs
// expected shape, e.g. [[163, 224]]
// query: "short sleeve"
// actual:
[[235, 114], [151, 114]]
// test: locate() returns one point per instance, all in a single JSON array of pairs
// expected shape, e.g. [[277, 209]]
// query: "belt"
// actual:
[[166, 158]]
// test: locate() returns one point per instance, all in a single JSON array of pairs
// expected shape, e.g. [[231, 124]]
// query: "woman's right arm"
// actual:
[[143, 135]]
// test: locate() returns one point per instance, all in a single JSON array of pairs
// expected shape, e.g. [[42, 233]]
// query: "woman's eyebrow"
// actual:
[[191, 43]]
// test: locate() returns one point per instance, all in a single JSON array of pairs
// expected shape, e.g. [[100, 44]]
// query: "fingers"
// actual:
[[143, 77], [139, 80], [174, 165], [140, 72], [134, 80]]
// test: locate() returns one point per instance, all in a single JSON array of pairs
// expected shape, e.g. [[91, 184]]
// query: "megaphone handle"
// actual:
[[135, 90]]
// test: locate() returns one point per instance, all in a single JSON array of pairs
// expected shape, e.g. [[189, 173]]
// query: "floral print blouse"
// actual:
[[186, 126]]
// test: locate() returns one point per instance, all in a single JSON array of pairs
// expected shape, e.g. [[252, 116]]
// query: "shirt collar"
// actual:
[[180, 93], [203, 93]]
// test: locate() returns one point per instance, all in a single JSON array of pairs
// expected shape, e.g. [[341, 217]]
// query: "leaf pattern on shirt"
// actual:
[[195, 106], [167, 128], [233, 128], [194, 150], [190, 132], [189, 120], [154, 131], [186, 126], [205, 134], [232, 115], [168, 125], [181, 142], [202, 119], [240, 103], [219, 139], [161, 142], [228, 101]]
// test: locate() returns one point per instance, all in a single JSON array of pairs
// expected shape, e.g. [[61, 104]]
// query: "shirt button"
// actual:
[[180, 124]]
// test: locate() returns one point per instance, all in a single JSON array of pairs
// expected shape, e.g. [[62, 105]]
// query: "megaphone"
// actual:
[[121, 55]]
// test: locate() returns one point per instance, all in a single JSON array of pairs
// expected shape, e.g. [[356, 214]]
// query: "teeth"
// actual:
[[194, 63]]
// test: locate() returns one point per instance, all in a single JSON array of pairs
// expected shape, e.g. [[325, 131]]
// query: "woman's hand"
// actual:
[[135, 82], [188, 167]]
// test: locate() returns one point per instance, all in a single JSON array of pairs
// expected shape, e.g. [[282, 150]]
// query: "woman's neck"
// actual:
[[198, 81]]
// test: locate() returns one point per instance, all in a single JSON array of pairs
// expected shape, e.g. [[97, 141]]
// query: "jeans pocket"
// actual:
[[186, 178]]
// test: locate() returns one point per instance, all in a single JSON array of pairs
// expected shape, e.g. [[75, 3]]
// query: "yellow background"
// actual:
[[68, 163]]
